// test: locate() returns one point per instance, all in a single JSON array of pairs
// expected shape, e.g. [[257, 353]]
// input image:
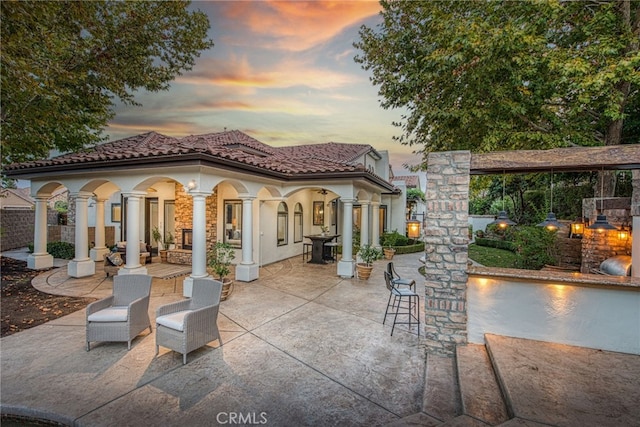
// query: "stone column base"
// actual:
[[81, 268], [247, 272], [346, 268], [39, 261], [97, 254]]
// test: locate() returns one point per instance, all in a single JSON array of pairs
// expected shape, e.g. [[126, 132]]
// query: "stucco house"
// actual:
[[223, 186], [16, 198]]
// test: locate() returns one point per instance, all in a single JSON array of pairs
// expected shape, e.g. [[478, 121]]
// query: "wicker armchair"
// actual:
[[186, 325], [123, 315]]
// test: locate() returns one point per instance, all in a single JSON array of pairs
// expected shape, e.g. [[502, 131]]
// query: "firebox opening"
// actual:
[[187, 238]]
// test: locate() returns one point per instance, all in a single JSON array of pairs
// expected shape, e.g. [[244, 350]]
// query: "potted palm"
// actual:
[[368, 254], [219, 260]]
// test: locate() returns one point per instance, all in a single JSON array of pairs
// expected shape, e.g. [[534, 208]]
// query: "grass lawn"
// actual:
[[492, 257]]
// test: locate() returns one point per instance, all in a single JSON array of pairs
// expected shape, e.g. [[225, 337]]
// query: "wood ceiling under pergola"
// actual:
[[574, 159]]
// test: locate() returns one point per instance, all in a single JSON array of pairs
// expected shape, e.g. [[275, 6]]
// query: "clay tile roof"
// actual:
[[232, 145], [411, 181]]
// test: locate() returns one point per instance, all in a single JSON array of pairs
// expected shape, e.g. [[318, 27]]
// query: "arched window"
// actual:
[[283, 220], [297, 223]]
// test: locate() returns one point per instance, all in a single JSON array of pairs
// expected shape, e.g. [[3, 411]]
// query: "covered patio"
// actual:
[[304, 347]]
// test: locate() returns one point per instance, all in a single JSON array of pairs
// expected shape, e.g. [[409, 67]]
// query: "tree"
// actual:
[[498, 75], [64, 64]]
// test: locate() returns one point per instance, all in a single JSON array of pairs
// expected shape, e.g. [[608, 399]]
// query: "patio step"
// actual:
[[441, 397], [481, 395]]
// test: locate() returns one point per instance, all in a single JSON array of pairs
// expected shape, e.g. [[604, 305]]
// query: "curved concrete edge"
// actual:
[[24, 411]]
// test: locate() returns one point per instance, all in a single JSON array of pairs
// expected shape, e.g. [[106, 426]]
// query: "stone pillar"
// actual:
[[81, 265], [97, 252], [446, 238], [346, 265], [132, 263], [40, 259], [247, 270], [364, 232], [375, 224], [199, 244], [635, 221]]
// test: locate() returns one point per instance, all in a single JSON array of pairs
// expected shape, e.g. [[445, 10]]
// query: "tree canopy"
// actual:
[[497, 75], [64, 64]]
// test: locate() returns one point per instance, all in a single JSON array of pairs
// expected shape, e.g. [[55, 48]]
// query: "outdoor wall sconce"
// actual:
[[577, 228], [192, 185], [623, 234], [413, 228]]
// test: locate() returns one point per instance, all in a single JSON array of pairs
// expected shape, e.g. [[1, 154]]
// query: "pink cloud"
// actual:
[[237, 71], [298, 25]]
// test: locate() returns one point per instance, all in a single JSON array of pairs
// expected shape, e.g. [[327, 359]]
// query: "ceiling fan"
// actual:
[[323, 192]]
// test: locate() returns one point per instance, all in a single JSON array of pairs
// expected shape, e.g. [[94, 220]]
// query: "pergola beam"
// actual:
[[574, 159]]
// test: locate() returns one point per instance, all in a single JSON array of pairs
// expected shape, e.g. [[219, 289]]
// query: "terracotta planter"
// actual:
[[227, 288], [364, 271], [163, 255], [389, 253]]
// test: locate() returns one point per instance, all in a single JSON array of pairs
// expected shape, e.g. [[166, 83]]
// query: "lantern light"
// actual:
[[413, 228], [601, 225], [577, 228], [502, 220]]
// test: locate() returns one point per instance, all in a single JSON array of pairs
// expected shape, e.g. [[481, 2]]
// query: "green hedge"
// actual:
[[493, 243], [409, 249], [62, 250]]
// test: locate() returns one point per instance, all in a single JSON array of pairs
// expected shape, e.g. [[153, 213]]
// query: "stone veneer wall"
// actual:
[[446, 238], [184, 215], [596, 247]]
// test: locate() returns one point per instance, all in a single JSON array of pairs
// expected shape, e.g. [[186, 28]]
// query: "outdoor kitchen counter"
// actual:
[[558, 277]]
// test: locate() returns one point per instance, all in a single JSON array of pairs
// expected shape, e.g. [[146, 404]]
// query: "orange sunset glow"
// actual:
[[281, 71]]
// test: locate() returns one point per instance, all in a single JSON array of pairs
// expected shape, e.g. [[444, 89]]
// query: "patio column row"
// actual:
[[81, 265]]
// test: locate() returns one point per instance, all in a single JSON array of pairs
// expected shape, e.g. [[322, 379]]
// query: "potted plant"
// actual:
[[168, 241], [325, 230], [219, 260], [389, 240], [368, 254]]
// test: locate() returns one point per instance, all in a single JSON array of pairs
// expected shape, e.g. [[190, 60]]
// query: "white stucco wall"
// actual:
[[601, 318]]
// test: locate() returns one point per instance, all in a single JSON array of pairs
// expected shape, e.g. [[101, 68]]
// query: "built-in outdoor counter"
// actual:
[[557, 277], [587, 310]]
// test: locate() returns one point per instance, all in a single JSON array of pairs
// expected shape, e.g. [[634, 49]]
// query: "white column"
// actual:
[[364, 232], [40, 259], [132, 263], [81, 265], [97, 252], [346, 265], [199, 242], [375, 224], [247, 270]]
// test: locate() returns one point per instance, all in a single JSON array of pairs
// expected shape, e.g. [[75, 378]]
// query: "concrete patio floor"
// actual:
[[303, 347]]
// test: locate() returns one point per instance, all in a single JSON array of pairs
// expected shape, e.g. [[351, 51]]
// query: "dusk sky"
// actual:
[[282, 72]]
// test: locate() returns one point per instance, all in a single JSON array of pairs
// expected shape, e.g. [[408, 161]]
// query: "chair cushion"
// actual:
[[111, 314], [115, 259], [174, 320]]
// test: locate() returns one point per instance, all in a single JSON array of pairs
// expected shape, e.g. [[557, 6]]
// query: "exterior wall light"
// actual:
[[192, 185], [577, 228], [413, 228]]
